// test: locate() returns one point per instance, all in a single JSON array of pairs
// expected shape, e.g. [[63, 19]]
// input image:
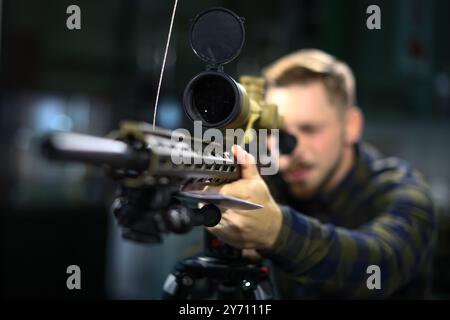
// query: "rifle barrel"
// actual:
[[94, 150]]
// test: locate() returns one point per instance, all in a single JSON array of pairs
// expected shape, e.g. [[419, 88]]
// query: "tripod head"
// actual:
[[229, 275]]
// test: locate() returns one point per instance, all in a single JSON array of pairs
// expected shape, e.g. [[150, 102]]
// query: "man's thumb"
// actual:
[[246, 161]]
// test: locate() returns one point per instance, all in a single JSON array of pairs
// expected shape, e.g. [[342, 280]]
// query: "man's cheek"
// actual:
[[324, 146], [283, 162]]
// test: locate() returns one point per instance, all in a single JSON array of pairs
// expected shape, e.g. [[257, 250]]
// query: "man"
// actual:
[[341, 207]]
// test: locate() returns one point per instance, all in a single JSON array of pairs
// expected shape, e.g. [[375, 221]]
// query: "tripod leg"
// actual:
[[227, 292], [257, 291], [177, 286], [264, 291]]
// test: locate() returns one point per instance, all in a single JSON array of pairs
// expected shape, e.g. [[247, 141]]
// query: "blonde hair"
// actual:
[[309, 65]]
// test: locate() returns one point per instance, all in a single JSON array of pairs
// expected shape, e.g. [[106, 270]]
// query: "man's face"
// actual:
[[320, 132]]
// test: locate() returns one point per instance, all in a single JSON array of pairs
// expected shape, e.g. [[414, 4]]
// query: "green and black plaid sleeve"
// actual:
[[328, 260]]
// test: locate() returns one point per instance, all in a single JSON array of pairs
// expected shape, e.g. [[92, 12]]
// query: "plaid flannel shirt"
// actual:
[[380, 214]]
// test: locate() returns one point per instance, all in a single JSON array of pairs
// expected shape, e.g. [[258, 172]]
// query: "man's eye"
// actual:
[[309, 129]]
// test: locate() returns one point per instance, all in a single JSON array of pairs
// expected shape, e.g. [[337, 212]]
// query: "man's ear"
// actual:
[[354, 124]]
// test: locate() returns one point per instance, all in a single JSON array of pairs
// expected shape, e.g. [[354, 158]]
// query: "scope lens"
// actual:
[[213, 99]]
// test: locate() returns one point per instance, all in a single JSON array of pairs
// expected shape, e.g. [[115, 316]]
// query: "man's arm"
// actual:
[[333, 260], [327, 259]]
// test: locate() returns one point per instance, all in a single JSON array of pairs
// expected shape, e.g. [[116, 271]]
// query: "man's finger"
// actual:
[[193, 187], [252, 255], [230, 189], [214, 188], [247, 162]]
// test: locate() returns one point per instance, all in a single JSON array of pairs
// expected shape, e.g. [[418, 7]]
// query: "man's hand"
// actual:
[[249, 229]]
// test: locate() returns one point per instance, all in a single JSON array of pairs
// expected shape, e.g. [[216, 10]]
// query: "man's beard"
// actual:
[[300, 189]]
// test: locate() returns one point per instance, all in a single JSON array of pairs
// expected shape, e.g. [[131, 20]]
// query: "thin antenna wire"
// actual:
[[164, 63]]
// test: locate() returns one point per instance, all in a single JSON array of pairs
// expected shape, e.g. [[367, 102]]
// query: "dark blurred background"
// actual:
[[52, 78]]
